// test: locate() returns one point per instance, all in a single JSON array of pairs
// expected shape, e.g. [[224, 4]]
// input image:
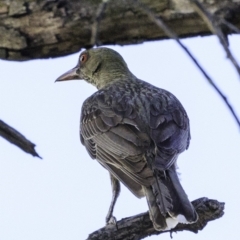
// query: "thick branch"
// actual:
[[41, 29], [140, 226], [13, 136]]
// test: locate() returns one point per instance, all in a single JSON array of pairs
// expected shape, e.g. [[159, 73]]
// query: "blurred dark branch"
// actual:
[[215, 24], [230, 26], [140, 226], [95, 25], [14, 137], [160, 23]]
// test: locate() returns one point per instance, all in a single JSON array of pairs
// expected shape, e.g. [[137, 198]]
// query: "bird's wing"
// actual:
[[110, 133], [169, 129]]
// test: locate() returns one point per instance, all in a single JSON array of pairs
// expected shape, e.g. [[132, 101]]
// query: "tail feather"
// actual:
[[156, 217], [168, 202], [162, 196], [183, 205]]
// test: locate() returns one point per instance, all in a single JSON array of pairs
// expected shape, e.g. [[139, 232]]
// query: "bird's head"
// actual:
[[98, 66]]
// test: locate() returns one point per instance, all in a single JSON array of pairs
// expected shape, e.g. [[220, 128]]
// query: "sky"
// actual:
[[67, 194]]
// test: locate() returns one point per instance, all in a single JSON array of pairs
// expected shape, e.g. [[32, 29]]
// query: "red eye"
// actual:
[[83, 58]]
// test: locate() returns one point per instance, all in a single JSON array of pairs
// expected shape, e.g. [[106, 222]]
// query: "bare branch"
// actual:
[[159, 22], [230, 26], [95, 26], [140, 226], [15, 137], [214, 25]]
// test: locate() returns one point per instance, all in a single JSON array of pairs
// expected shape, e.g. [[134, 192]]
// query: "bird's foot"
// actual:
[[111, 222]]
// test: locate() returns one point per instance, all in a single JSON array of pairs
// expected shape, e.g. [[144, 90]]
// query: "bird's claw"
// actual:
[[111, 221]]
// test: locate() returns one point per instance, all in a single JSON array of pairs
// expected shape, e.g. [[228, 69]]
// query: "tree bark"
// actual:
[[140, 226], [50, 28]]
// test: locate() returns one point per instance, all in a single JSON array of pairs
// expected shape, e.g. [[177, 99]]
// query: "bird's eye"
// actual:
[[83, 58]]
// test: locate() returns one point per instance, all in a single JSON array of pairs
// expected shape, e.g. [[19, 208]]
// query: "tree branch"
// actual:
[[160, 23], [214, 25], [140, 226], [15, 137], [68, 26], [95, 26]]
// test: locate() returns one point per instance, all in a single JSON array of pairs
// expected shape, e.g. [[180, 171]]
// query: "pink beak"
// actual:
[[69, 75]]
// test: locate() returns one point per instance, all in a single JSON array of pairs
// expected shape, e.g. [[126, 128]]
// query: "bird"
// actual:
[[136, 131]]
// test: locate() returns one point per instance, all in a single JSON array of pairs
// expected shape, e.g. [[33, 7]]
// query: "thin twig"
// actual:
[[214, 26], [230, 26], [171, 34], [95, 26], [15, 137]]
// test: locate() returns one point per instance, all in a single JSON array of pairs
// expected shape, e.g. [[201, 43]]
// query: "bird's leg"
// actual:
[[110, 219]]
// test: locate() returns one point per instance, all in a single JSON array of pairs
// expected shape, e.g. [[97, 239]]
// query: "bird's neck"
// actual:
[[106, 78]]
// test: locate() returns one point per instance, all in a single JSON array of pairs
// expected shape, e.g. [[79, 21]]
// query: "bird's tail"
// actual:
[[168, 202]]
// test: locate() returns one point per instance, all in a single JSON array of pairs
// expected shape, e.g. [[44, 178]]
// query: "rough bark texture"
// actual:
[[41, 29], [16, 138], [140, 226]]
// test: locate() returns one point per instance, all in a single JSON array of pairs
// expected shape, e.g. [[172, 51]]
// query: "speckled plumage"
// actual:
[[136, 131]]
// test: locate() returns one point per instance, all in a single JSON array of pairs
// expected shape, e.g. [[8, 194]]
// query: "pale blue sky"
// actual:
[[66, 195]]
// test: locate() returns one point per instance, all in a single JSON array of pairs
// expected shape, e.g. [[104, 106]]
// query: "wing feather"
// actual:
[[113, 122], [169, 129], [137, 133]]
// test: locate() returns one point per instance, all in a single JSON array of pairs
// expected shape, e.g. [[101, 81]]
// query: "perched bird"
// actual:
[[136, 131]]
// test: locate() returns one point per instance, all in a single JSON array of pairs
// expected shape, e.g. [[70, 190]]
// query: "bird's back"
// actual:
[[150, 121], [143, 98]]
